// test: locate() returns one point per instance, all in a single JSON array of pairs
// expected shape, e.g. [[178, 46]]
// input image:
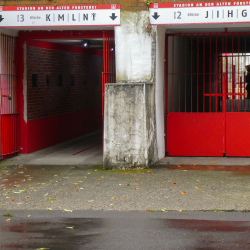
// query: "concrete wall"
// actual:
[[160, 91], [129, 118], [129, 138]]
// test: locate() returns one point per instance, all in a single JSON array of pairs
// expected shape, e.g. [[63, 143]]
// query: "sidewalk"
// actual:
[[164, 187]]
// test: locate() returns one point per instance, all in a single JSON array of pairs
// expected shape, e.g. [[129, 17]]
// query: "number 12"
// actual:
[[178, 15]]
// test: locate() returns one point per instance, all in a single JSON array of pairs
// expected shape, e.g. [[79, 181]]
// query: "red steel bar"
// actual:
[[210, 84], [203, 73], [191, 72], [198, 73], [221, 60], [245, 50], [232, 76], [179, 73], [216, 73], [238, 72], [185, 74], [173, 74]]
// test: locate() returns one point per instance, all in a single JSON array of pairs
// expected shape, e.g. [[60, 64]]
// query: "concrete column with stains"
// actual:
[[129, 118]]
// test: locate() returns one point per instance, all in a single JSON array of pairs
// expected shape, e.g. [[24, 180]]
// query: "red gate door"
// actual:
[[237, 106], [8, 90], [195, 122], [108, 74], [207, 112]]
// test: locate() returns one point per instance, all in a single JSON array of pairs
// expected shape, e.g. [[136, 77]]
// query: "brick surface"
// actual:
[[43, 101]]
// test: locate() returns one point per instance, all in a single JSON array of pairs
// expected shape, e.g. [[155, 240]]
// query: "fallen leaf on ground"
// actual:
[[148, 210], [26, 197], [194, 164], [15, 186], [174, 182], [182, 164], [181, 210], [76, 184], [196, 188], [113, 198], [13, 199], [184, 192], [70, 227], [158, 167], [137, 188], [55, 175], [178, 166], [8, 220], [98, 180], [66, 210], [213, 162], [141, 182], [76, 190], [6, 192], [142, 173]]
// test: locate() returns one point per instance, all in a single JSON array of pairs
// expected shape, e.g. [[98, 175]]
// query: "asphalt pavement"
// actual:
[[57, 230], [161, 188]]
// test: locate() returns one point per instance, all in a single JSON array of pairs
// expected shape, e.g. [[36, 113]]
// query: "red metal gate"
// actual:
[[207, 113], [108, 74], [8, 119]]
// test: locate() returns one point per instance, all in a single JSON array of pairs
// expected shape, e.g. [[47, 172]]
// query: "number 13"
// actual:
[[20, 18]]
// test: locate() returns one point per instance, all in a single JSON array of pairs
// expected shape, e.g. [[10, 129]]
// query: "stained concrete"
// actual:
[[163, 188], [129, 126]]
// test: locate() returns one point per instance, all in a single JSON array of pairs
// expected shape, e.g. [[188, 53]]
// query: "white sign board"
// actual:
[[200, 12], [68, 15]]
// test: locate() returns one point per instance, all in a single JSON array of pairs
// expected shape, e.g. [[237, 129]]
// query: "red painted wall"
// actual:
[[59, 113], [52, 130]]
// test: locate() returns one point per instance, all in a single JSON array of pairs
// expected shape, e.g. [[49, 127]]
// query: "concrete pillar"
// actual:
[[129, 123]]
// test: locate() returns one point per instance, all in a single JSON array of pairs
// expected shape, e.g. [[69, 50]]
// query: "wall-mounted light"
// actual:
[[86, 43], [112, 49]]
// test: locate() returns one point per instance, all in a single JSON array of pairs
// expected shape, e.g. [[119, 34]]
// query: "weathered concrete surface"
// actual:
[[129, 119], [133, 47], [129, 130], [89, 187]]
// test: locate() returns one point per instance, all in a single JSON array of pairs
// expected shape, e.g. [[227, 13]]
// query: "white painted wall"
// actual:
[[133, 48], [160, 91]]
